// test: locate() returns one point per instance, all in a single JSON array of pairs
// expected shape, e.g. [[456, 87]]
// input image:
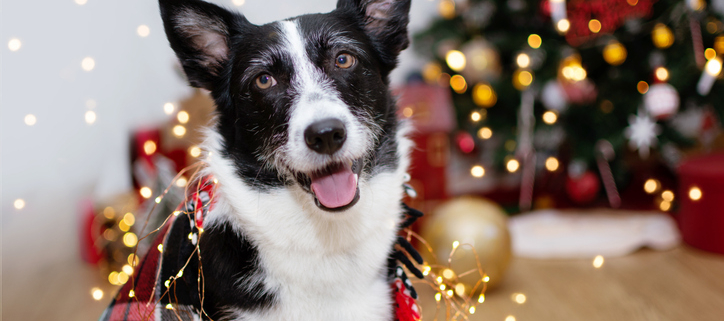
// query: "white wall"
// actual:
[[53, 164]]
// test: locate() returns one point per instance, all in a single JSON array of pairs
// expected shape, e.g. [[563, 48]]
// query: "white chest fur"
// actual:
[[322, 265]]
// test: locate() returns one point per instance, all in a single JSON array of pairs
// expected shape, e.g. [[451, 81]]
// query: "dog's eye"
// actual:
[[265, 81], [344, 61]]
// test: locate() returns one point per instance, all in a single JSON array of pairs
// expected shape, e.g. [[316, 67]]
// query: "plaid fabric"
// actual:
[[167, 286]]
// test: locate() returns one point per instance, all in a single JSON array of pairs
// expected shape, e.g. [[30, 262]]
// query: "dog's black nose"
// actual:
[[325, 136]]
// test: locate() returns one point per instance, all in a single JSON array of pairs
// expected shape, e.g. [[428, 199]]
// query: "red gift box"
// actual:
[[701, 215]]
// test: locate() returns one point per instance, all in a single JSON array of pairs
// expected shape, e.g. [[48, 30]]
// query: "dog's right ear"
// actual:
[[199, 33]]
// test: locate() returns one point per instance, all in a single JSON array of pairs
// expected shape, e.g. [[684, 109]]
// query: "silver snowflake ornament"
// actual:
[[642, 132]]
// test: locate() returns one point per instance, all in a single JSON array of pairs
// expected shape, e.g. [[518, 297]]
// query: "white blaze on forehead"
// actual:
[[315, 99]]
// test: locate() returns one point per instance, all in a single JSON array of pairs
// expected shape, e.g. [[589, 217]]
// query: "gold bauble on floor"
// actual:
[[478, 222]]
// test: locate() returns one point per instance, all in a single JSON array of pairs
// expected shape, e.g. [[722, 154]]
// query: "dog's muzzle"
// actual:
[[335, 187]]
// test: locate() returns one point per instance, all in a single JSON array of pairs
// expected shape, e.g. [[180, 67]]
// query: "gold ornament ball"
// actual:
[[475, 221]]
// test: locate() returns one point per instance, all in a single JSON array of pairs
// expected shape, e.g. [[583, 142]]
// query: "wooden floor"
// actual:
[[682, 284]]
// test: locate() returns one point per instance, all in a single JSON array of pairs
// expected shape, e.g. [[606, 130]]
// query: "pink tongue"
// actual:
[[335, 189]]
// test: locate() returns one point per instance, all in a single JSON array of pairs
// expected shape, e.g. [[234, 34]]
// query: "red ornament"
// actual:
[[465, 142], [583, 189]]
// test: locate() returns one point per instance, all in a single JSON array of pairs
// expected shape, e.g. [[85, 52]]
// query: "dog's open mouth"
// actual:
[[335, 187]]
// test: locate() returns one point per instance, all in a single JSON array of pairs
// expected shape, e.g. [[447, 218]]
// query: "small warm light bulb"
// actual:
[[447, 9], [442, 287], [667, 195], [169, 306], [146, 192], [158, 200], [143, 31], [81, 2], [472, 310], [534, 41], [238, 3], [131, 293], [426, 270], [109, 212], [168, 108], [438, 296], [643, 87], [455, 60], [710, 53], [97, 294], [458, 84], [485, 133], [407, 112], [181, 182], [179, 131], [550, 117], [651, 186], [475, 116], [448, 274], [552, 164], [160, 248], [30, 120], [149, 147], [523, 60], [183, 117], [510, 318], [450, 293], [90, 117], [519, 298], [439, 279], [662, 74], [130, 239], [522, 79], [88, 64], [129, 219], [512, 165], [594, 25], [563, 25], [167, 283], [695, 193], [194, 151], [598, 261], [460, 289], [486, 279], [127, 269], [665, 205], [713, 67], [132, 259], [14, 44], [113, 278], [477, 171], [481, 298], [455, 244], [19, 204], [484, 95]]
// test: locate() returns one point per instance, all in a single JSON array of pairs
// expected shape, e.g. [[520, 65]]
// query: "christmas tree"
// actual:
[[587, 82]]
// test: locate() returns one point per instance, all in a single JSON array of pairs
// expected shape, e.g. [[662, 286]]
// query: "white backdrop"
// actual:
[[61, 159]]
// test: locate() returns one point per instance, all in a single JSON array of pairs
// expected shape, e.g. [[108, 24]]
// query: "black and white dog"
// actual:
[[309, 155]]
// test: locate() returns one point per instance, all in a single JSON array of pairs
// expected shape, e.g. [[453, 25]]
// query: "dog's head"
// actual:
[[301, 101]]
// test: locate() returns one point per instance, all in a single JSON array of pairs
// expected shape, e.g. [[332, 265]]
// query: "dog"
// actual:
[[308, 160]]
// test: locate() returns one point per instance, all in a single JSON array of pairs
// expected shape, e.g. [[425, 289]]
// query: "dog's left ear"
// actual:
[[385, 21]]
